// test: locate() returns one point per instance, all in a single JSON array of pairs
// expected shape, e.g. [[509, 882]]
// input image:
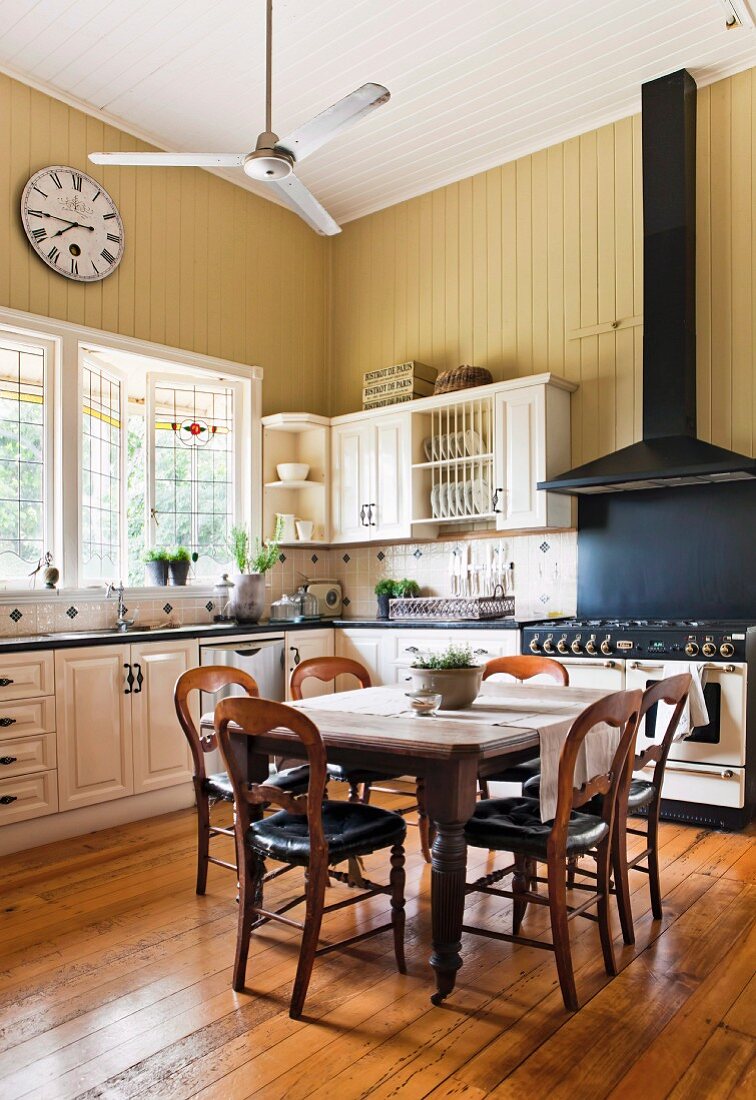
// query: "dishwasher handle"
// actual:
[[248, 652]]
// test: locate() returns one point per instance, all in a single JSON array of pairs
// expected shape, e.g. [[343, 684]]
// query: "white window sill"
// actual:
[[61, 595]]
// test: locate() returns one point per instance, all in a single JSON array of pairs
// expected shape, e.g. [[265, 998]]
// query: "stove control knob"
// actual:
[[691, 648], [562, 646], [590, 646], [576, 646], [727, 649], [709, 649], [606, 648], [548, 645], [534, 646]]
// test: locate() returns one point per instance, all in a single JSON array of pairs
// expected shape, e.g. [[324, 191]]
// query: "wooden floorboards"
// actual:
[[115, 981]]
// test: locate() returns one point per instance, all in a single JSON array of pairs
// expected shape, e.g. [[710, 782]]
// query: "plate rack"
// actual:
[[455, 467]]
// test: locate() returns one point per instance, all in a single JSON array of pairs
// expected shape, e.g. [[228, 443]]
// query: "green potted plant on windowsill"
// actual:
[[248, 594], [156, 566], [179, 563], [453, 674]]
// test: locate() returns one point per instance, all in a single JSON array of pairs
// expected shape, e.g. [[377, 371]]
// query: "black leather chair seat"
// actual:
[[640, 794], [518, 773], [293, 781], [514, 825], [351, 829], [342, 774]]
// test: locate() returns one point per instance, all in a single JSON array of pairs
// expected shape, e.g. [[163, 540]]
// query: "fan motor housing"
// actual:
[[268, 163]]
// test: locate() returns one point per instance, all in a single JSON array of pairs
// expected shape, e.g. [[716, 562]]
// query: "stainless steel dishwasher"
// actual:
[[261, 657]]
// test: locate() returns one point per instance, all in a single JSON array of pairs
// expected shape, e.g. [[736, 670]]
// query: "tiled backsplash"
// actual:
[[545, 571]]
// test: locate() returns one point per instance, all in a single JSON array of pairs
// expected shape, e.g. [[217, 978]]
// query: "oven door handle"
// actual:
[[594, 664], [696, 769], [709, 666]]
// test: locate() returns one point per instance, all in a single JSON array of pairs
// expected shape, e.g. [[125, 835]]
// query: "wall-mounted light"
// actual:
[[738, 13]]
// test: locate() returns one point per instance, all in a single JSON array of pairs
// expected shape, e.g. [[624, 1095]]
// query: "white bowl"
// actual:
[[293, 471]]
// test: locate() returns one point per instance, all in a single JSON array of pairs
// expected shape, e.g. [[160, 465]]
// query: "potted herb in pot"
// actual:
[[248, 594], [407, 589], [453, 674], [179, 561], [385, 590], [156, 566]]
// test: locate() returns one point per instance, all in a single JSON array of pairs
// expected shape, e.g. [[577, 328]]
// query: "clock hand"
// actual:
[[73, 225], [42, 214]]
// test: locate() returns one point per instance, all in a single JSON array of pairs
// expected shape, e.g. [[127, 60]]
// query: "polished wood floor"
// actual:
[[115, 982]]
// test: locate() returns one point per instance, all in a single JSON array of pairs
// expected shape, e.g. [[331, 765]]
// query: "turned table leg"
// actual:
[[450, 795]]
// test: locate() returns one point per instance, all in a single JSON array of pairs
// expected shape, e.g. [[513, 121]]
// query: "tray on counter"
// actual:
[[453, 607]]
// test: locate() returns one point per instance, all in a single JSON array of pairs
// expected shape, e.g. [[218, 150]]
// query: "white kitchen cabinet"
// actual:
[[117, 728], [94, 725], [532, 443], [375, 651], [161, 753], [371, 479], [302, 645], [387, 653]]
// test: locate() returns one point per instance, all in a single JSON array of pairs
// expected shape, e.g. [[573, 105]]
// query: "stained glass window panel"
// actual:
[[23, 455], [101, 475]]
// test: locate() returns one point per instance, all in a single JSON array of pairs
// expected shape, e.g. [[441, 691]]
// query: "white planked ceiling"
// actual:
[[474, 83]]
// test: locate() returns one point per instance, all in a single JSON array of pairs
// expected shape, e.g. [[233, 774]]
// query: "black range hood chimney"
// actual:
[[670, 453]]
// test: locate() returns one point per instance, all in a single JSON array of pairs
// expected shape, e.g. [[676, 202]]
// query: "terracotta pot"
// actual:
[[247, 597], [458, 687]]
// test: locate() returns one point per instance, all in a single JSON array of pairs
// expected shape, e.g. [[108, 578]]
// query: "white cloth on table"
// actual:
[[694, 712]]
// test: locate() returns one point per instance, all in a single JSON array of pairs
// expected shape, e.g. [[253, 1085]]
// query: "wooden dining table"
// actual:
[[448, 753]]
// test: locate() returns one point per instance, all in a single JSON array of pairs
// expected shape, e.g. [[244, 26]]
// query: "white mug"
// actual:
[[304, 529]]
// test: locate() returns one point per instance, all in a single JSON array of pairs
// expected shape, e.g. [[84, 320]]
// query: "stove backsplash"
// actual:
[[685, 553], [545, 570]]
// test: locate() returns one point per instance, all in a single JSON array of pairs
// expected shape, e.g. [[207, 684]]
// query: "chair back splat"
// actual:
[[526, 667], [211, 679], [326, 669], [238, 719]]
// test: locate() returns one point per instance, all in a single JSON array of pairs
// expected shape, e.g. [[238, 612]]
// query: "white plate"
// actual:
[[481, 496], [473, 443], [436, 501], [428, 449]]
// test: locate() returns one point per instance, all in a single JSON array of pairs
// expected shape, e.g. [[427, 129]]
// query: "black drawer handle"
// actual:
[[8, 722], [8, 760], [7, 799], [139, 679], [129, 680], [5, 682]]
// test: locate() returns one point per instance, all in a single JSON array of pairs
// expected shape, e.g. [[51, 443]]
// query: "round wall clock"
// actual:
[[72, 224]]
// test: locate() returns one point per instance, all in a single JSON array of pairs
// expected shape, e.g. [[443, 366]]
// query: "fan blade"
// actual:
[[302, 202], [172, 160], [333, 120]]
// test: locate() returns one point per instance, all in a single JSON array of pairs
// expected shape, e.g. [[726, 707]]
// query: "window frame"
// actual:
[[68, 341], [51, 527], [159, 378], [119, 376]]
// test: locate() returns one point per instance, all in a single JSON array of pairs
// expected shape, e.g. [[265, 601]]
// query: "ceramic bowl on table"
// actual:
[[292, 471]]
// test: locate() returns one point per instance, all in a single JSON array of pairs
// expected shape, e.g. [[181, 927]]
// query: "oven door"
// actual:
[[722, 741]]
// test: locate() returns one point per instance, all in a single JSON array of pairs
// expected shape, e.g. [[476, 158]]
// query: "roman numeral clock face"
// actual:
[[72, 224]]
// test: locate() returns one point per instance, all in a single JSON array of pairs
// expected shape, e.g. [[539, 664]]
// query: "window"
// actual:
[[101, 474], [24, 453], [194, 470]]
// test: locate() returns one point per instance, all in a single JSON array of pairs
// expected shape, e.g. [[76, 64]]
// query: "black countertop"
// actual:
[[72, 639]]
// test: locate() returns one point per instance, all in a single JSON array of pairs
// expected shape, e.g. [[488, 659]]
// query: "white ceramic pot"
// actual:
[[304, 529], [458, 687], [247, 597]]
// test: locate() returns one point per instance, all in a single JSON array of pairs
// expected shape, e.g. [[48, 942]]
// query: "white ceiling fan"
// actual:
[[273, 159]]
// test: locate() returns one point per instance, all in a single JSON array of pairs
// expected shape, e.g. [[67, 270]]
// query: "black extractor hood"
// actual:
[[669, 453]]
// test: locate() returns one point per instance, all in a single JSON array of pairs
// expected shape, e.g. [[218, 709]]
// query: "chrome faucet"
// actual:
[[122, 624]]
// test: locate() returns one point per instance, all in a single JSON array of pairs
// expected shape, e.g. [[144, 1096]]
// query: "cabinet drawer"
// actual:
[[25, 755], [26, 719], [26, 675], [30, 796]]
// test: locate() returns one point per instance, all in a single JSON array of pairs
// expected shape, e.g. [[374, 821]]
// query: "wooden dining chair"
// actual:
[[307, 832], [523, 667], [212, 789], [644, 796], [361, 782], [514, 825]]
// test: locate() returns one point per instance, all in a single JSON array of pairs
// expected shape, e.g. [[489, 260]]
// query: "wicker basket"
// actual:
[[452, 608], [462, 378]]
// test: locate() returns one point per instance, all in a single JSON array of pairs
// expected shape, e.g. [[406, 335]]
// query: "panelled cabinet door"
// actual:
[[520, 459], [363, 646], [389, 515], [161, 753], [302, 645], [94, 725], [351, 482]]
